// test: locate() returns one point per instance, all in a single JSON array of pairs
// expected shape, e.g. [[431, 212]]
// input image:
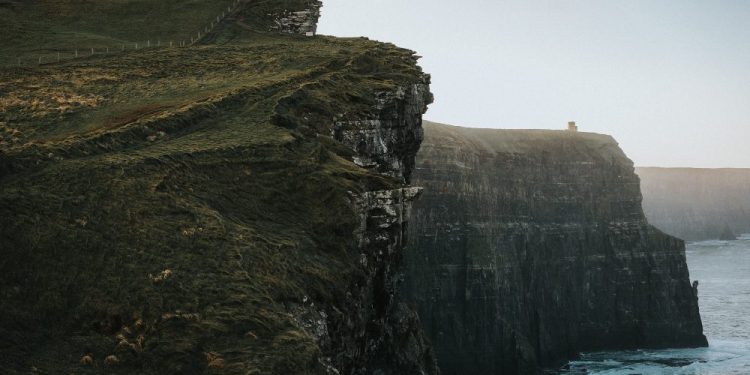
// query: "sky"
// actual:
[[669, 79]]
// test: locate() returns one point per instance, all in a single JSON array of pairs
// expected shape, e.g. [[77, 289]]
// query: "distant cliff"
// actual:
[[697, 204], [529, 247]]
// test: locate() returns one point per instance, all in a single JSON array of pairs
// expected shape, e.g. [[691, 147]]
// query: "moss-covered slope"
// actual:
[[64, 29], [183, 210]]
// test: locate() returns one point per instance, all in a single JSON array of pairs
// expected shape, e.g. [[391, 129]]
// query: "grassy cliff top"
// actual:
[[181, 199], [563, 144], [47, 27], [147, 101]]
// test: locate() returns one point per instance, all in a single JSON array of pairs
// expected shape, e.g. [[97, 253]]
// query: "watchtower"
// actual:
[[572, 127]]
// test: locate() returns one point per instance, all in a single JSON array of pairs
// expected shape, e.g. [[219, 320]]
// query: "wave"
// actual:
[[722, 357]]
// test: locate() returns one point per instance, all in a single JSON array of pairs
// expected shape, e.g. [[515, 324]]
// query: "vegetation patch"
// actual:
[[159, 208]]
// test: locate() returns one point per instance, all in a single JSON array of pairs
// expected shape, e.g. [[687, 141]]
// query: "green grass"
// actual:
[[45, 27], [64, 28], [214, 162]]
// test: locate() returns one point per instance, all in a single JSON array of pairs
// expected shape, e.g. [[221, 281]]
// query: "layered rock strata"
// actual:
[[529, 247], [374, 334], [301, 21], [388, 143]]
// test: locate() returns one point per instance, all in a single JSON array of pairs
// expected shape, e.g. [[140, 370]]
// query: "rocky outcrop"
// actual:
[[382, 337], [370, 333], [529, 247], [302, 21], [388, 142], [697, 204]]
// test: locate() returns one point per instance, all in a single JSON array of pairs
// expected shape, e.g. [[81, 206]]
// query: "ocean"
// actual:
[[723, 271]]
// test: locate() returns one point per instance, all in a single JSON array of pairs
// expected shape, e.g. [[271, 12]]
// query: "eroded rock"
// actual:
[[528, 247]]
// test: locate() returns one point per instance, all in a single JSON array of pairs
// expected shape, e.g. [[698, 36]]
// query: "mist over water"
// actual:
[[723, 271]]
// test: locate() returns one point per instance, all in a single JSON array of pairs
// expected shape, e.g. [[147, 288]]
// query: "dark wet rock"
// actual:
[[382, 337], [529, 247]]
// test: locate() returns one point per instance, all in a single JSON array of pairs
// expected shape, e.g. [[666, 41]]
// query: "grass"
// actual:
[[46, 27], [59, 28], [214, 162]]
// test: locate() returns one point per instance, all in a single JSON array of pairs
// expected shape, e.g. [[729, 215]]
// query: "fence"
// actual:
[[65, 54]]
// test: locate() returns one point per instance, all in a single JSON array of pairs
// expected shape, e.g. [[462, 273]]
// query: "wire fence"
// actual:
[[66, 54]]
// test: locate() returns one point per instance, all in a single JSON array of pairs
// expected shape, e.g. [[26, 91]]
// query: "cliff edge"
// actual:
[[530, 246], [236, 207]]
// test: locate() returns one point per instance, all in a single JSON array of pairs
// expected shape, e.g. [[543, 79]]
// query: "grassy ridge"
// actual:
[[72, 28], [46, 27], [167, 206]]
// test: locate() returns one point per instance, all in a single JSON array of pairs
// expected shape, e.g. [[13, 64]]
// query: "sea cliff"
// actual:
[[236, 207], [530, 246], [695, 203]]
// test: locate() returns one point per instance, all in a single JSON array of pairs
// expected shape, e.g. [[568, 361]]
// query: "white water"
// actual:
[[723, 270]]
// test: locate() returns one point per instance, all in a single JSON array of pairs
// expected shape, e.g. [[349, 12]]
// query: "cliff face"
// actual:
[[227, 213], [528, 247], [302, 21], [697, 204]]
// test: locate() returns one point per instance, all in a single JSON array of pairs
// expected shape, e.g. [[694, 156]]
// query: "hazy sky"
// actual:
[[669, 79]]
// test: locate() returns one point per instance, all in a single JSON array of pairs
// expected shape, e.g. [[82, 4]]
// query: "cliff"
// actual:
[[530, 246], [235, 208], [697, 204]]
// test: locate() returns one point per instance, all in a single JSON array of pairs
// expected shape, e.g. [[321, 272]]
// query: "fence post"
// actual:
[[76, 52], [92, 52], [58, 57], [148, 43], [136, 46], [40, 60], [107, 49], [19, 61]]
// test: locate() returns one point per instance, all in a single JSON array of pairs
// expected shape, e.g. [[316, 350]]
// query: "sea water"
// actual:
[[723, 271]]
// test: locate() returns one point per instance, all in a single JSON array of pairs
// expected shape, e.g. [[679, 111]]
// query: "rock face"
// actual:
[[697, 204], [529, 247], [384, 337], [304, 21], [389, 142], [374, 334]]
